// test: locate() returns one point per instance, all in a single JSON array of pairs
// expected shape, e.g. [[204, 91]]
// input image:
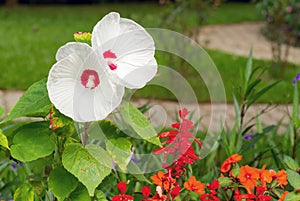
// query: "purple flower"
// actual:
[[134, 159], [297, 78], [14, 166], [113, 166], [248, 137], [289, 9]]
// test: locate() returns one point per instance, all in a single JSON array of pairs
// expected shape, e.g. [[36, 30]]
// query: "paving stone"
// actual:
[[238, 39]]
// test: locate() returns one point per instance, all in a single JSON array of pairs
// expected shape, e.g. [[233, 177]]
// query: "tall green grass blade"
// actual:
[[248, 69], [295, 116], [251, 87], [225, 142], [258, 124], [260, 93], [237, 111]]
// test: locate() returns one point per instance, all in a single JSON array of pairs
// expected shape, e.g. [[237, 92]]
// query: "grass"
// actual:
[[31, 35]]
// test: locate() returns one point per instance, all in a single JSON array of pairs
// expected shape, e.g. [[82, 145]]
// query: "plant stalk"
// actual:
[[85, 133]]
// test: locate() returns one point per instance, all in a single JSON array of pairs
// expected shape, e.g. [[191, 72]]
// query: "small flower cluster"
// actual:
[[179, 146], [236, 183], [256, 184]]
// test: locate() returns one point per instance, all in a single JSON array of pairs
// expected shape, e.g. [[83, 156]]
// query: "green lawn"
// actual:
[[30, 36]]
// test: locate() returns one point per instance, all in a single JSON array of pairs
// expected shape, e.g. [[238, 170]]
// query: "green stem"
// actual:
[[85, 133], [294, 154]]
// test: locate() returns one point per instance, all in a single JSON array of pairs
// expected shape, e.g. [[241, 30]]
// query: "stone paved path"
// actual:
[[236, 39], [163, 113]]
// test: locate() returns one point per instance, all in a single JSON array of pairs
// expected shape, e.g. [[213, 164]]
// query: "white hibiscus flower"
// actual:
[[127, 48], [87, 83]]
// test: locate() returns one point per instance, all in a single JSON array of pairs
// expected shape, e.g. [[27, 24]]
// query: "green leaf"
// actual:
[[120, 151], [62, 124], [1, 111], [34, 102], [291, 163], [235, 170], [62, 183], [24, 193], [38, 186], [248, 69], [295, 116], [100, 196], [32, 141], [260, 93], [110, 129], [292, 196], [249, 145], [237, 111], [225, 181], [100, 154], [85, 166], [104, 130], [233, 140], [3, 140], [259, 124], [225, 142], [134, 170], [80, 194], [139, 123], [294, 179], [251, 87]]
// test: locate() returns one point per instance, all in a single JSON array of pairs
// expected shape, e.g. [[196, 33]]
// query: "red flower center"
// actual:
[[90, 79], [110, 55]]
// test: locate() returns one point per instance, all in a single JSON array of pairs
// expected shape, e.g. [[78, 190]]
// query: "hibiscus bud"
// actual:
[[84, 37]]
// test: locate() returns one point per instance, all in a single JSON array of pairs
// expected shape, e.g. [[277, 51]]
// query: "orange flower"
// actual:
[[248, 177], [266, 176], [162, 180], [225, 167], [193, 185], [283, 196], [281, 178]]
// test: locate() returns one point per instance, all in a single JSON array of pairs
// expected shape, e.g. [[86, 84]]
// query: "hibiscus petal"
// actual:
[[134, 77], [80, 49], [74, 99], [106, 29], [133, 63]]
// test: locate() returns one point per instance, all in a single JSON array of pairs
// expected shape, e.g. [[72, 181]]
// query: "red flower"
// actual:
[[122, 187], [244, 196], [209, 197], [158, 196], [264, 198], [178, 145], [175, 192], [225, 167], [146, 191], [214, 185], [122, 197], [260, 190]]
